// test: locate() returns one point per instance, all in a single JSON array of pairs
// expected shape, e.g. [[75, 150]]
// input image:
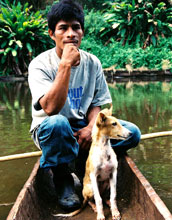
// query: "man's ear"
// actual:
[[51, 34]]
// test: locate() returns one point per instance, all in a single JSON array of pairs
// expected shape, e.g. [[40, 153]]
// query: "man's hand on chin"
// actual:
[[71, 54]]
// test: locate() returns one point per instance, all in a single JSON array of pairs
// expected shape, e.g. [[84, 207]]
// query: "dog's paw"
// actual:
[[100, 217], [116, 217]]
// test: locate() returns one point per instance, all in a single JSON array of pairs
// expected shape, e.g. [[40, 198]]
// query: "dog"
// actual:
[[101, 165]]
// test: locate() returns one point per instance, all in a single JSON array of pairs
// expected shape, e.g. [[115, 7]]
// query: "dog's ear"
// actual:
[[108, 111], [101, 119], [111, 109]]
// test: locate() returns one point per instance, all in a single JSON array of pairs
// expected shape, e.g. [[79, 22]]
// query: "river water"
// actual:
[[147, 104]]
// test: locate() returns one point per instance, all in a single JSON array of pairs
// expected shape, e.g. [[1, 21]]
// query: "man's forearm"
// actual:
[[92, 114], [53, 101]]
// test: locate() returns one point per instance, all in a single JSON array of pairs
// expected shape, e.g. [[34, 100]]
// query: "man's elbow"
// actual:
[[51, 111], [50, 107]]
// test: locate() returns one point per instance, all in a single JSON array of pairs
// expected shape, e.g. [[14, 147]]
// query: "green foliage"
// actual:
[[90, 4], [37, 4], [140, 21], [45, 11], [115, 54], [23, 35], [94, 22], [111, 52]]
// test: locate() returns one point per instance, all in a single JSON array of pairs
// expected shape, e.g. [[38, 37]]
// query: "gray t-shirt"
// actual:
[[87, 86]]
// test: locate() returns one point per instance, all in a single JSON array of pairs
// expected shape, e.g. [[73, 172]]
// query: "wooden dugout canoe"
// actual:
[[136, 198]]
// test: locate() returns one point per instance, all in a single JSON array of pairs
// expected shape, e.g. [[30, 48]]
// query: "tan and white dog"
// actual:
[[101, 165]]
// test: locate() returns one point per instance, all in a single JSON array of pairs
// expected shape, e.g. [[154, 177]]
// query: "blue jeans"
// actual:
[[55, 136]]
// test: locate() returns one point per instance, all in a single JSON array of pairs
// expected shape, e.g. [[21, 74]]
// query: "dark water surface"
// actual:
[[149, 105]]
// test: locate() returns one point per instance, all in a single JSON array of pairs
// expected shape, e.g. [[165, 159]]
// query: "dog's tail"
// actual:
[[71, 214]]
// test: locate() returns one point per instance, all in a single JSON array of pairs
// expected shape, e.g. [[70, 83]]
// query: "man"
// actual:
[[68, 87]]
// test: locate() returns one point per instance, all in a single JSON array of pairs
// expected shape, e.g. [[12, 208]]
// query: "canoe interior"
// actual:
[[136, 198]]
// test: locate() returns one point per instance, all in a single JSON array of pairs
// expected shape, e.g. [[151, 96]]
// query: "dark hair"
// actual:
[[65, 10]]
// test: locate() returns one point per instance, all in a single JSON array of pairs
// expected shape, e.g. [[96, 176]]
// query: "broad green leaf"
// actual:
[[133, 3], [161, 4], [149, 5], [3, 60], [153, 38], [3, 44], [16, 104], [21, 30], [19, 43], [155, 23], [5, 31], [115, 25], [138, 38], [14, 53], [26, 10], [29, 47], [11, 42], [130, 7], [156, 11], [102, 29], [7, 50], [151, 28], [25, 24], [123, 31]]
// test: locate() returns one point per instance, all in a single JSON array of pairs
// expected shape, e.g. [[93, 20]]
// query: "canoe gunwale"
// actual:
[[21, 196], [142, 194], [154, 197]]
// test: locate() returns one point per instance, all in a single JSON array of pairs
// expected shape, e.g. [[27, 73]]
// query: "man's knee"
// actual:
[[136, 135], [56, 123]]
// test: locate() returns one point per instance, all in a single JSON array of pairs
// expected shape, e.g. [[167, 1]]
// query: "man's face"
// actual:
[[66, 32]]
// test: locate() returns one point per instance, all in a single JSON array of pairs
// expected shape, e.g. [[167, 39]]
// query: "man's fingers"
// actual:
[[71, 54], [85, 146], [84, 143]]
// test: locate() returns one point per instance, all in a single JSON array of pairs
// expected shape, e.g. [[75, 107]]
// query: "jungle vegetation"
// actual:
[[136, 33]]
